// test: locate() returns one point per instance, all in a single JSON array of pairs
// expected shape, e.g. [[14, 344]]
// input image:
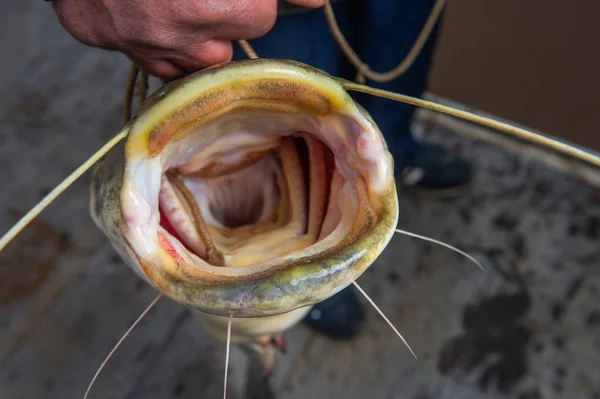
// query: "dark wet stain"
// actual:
[[494, 253], [179, 389], [541, 190], [591, 259], [496, 311], [140, 284], [559, 343], [476, 201], [576, 209], [538, 347], [421, 269], [530, 394], [144, 352], [510, 192], [593, 318], [573, 230], [494, 337], [574, 288], [393, 277], [466, 215], [504, 221], [331, 375], [29, 260], [558, 266], [28, 106], [504, 374], [557, 311], [518, 247], [29, 112], [427, 248], [592, 227], [510, 168], [115, 259]]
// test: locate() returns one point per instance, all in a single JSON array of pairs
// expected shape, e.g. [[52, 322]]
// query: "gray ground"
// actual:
[[528, 327]]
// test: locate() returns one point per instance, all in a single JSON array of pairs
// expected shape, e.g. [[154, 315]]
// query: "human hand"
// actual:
[[166, 38]]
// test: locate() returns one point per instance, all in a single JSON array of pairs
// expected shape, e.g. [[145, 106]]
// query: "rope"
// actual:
[[250, 53], [405, 64], [127, 105]]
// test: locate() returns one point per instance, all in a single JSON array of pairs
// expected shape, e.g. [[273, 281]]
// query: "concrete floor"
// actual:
[[528, 327]]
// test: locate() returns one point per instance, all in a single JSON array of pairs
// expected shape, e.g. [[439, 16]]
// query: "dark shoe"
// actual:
[[339, 317], [434, 170]]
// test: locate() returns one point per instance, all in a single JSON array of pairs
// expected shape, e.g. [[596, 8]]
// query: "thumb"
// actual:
[[308, 3]]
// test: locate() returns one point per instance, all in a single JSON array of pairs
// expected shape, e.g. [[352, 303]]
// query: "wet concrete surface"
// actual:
[[527, 327]]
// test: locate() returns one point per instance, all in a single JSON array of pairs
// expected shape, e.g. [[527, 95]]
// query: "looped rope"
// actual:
[[134, 88], [405, 64], [363, 69]]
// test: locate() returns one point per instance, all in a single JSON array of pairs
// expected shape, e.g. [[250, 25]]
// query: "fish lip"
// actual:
[[279, 290]]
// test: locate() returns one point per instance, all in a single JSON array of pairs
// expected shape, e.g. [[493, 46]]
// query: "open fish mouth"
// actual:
[[251, 189]]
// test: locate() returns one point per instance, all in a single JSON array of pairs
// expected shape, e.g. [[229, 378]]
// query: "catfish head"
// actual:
[[253, 190]]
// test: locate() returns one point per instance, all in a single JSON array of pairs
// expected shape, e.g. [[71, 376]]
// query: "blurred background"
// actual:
[[528, 327], [533, 62]]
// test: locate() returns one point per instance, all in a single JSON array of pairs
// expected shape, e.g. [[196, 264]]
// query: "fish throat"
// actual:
[[241, 207]]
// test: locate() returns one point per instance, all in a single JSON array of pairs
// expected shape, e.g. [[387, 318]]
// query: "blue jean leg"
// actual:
[[388, 30], [303, 37]]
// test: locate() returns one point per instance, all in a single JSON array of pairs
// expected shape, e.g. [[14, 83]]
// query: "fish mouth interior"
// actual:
[[256, 185]]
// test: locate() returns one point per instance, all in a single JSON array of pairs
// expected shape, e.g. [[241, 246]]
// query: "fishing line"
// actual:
[[135, 323], [472, 259], [227, 356], [384, 317]]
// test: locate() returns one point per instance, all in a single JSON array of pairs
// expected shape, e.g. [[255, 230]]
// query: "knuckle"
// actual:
[[268, 11], [161, 69], [205, 54], [77, 26], [254, 18]]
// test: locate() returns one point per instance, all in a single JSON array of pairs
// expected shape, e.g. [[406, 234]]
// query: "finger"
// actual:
[[242, 19], [164, 69], [203, 55], [308, 3]]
